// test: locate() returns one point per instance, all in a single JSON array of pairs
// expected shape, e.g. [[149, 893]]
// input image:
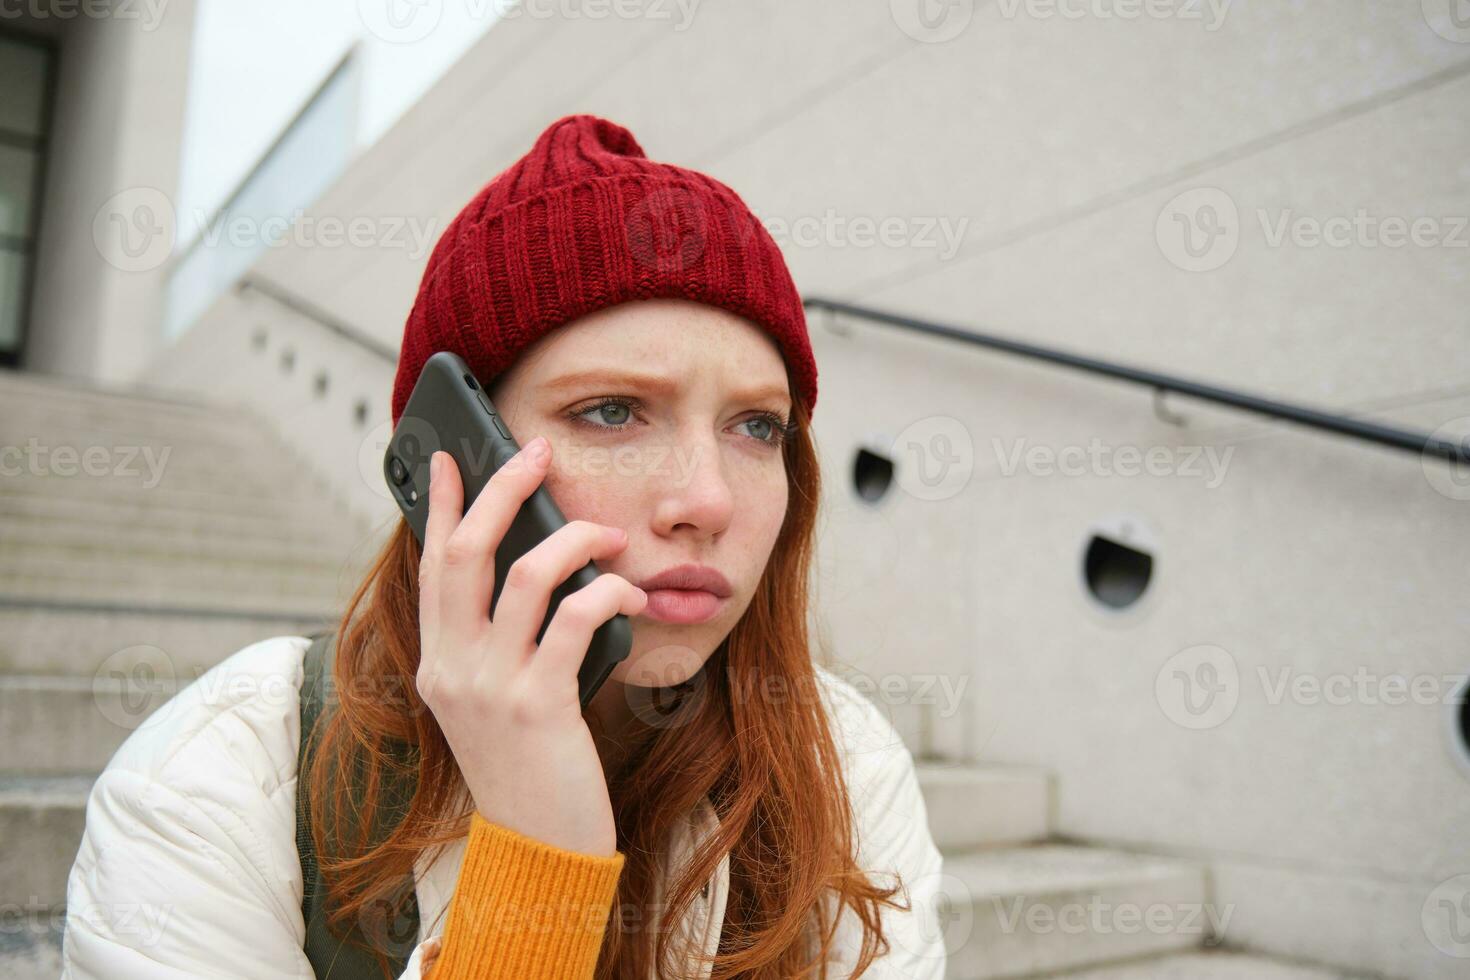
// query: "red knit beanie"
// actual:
[[584, 221]]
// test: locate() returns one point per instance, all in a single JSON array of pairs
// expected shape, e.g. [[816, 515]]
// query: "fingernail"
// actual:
[[540, 449], [435, 465]]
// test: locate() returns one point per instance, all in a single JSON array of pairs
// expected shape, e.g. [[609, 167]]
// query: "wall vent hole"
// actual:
[[1117, 575], [872, 474], [1459, 708]]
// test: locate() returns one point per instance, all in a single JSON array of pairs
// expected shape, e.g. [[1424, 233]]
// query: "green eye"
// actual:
[[612, 412], [769, 428]]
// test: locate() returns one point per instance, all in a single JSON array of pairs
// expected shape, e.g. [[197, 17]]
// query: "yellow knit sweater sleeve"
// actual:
[[524, 909]]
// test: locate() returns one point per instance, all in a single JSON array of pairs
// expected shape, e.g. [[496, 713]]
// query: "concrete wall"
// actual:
[[113, 165], [1064, 156]]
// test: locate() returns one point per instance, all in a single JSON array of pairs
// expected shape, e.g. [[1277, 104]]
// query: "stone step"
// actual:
[[159, 564], [182, 589], [119, 503], [36, 437], [974, 805], [1028, 911], [41, 822], [184, 436], [71, 725], [1219, 964], [293, 522], [222, 496], [60, 396], [228, 473], [57, 638], [125, 543]]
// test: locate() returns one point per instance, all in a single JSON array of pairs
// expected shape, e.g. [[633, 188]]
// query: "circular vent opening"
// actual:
[[872, 475], [1457, 714], [1117, 574]]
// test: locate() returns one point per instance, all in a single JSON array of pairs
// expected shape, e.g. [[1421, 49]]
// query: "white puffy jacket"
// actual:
[[188, 866]]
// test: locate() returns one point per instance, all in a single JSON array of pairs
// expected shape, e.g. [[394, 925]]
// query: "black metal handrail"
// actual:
[[1373, 432]]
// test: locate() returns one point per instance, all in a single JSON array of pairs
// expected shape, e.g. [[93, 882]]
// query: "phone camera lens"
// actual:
[[397, 470]]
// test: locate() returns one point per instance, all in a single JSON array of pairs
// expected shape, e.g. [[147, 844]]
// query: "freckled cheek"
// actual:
[[591, 493]]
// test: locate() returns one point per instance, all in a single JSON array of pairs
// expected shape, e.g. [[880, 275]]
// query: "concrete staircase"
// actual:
[[142, 540], [1019, 902]]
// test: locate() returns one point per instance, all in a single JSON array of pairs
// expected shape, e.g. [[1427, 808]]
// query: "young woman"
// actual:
[[724, 807]]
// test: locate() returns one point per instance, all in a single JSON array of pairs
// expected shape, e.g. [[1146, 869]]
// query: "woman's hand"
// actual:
[[509, 708]]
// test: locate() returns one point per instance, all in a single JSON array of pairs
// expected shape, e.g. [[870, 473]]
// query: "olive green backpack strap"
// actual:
[[394, 932]]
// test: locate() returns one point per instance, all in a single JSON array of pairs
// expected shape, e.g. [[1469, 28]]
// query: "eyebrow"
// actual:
[[654, 383]]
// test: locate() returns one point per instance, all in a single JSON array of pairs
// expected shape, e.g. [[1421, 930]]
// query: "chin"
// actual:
[[663, 665]]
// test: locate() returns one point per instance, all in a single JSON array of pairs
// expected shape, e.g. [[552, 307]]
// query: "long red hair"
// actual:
[[749, 732]]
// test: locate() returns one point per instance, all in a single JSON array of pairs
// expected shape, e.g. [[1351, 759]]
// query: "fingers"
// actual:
[[463, 563], [532, 578], [565, 644], [445, 501]]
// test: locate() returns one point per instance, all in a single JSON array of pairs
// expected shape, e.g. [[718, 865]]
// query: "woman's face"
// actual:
[[663, 417]]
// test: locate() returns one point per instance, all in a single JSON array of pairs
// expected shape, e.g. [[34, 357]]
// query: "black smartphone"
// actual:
[[449, 410]]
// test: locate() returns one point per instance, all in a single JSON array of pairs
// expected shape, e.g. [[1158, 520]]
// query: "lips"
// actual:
[[689, 578], [686, 594]]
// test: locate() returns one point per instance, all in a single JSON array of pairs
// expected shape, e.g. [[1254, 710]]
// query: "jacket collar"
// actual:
[[699, 928]]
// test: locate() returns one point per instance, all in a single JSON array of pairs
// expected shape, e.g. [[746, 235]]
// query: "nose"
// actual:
[[698, 499]]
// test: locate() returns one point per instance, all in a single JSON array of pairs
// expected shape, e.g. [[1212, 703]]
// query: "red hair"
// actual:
[[767, 761]]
